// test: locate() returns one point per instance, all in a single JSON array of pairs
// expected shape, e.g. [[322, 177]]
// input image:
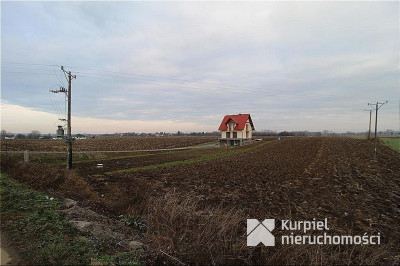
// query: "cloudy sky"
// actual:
[[169, 66]]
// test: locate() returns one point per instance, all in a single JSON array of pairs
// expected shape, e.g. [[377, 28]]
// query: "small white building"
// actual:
[[236, 129]]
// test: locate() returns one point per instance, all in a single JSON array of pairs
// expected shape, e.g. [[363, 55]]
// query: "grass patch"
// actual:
[[119, 259], [393, 143], [360, 137], [75, 161], [205, 143], [41, 234], [209, 157]]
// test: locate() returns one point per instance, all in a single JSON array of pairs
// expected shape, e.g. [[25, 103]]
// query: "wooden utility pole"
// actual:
[[376, 122], [69, 77], [369, 127]]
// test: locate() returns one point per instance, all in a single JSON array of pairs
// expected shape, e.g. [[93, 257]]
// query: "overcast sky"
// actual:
[[169, 66]]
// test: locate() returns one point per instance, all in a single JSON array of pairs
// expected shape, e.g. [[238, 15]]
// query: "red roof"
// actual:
[[240, 121]]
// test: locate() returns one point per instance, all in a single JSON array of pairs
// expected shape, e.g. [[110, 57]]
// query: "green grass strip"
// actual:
[[102, 159], [189, 161], [393, 143], [205, 143]]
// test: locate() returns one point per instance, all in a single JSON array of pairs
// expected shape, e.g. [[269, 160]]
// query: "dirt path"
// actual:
[[5, 257], [8, 255]]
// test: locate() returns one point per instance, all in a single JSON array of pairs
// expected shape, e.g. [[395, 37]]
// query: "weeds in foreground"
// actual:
[[135, 222], [178, 228], [183, 230], [42, 235]]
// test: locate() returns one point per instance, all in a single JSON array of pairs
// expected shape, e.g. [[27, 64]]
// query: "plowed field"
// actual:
[[197, 212], [104, 143]]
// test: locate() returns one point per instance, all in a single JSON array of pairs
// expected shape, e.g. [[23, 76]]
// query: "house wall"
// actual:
[[249, 130], [240, 134]]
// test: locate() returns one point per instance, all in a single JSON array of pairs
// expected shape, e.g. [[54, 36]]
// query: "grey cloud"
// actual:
[[278, 60]]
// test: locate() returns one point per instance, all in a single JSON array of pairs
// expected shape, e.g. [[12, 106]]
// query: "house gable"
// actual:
[[240, 120]]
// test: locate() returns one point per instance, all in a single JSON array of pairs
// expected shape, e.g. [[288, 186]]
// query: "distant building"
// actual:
[[80, 136], [60, 132], [236, 130]]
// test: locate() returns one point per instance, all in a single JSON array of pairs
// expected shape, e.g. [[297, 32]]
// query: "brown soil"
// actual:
[[104, 143], [90, 168], [298, 179]]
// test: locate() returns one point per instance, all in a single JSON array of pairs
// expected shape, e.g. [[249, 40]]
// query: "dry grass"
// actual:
[[180, 228], [48, 179]]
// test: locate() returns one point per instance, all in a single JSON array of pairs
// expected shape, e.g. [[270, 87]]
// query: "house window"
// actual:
[[228, 135], [235, 135]]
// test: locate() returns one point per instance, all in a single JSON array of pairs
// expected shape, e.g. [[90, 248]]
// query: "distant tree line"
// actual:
[[161, 133], [285, 133], [387, 132], [35, 134]]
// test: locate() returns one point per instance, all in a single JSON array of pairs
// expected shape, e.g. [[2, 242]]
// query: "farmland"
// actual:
[[390, 141], [194, 203], [105, 143]]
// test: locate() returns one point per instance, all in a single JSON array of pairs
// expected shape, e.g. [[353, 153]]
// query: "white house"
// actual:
[[236, 129]]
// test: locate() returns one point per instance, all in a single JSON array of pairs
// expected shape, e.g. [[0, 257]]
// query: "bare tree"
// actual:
[[35, 134], [20, 136], [3, 134]]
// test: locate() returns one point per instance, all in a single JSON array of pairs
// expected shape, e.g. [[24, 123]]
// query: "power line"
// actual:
[[26, 68], [226, 87], [55, 104], [183, 83], [30, 64], [160, 77], [270, 92], [327, 97], [278, 93], [26, 73], [254, 90], [267, 92], [141, 75], [55, 73], [157, 83]]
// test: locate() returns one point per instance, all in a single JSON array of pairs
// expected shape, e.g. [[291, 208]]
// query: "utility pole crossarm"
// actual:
[[62, 89], [381, 104]]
